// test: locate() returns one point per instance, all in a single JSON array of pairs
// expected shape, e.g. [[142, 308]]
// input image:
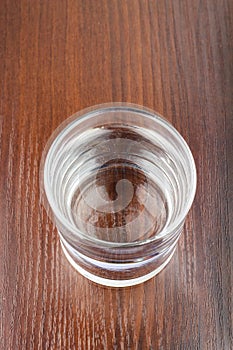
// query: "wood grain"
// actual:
[[57, 57]]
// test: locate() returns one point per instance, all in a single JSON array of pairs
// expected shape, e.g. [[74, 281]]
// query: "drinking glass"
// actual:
[[117, 180]]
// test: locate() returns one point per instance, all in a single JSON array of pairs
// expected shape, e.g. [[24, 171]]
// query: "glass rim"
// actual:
[[86, 114]]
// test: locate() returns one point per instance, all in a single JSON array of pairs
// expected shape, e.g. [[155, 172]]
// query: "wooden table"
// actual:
[[57, 57]]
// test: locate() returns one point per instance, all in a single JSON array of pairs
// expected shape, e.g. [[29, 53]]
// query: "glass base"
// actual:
[[111, 282]]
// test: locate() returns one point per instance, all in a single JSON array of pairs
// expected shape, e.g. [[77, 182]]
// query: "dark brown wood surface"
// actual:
[[57, 57]]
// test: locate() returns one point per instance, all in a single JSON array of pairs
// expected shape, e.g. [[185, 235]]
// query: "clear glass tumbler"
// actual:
[[118, 181]]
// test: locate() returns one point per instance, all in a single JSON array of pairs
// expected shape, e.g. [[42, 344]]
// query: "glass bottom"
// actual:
[[112, 282]]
